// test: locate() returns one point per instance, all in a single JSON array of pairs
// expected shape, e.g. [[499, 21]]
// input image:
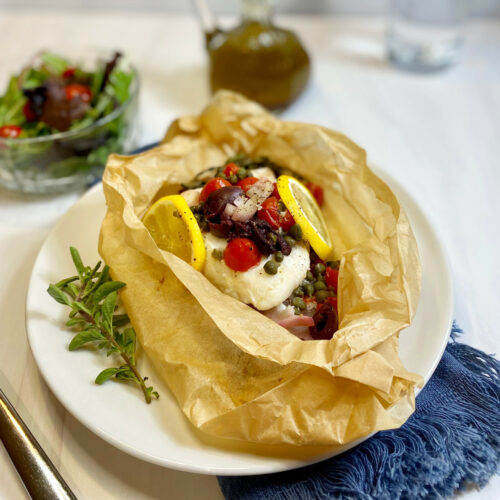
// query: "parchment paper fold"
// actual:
[[235, 373]]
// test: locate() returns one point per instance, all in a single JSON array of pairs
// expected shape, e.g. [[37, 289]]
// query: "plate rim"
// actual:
[[264, 468]]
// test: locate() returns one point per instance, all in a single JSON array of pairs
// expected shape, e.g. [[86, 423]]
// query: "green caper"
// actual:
[[334, 264], [309, 276], [204, 225], [222, 176], [217, 254], [281, 206], [297, 311], [278, 256], [319, 268], [290, 240], [273, 237], [331, 289], [271, 267], [295, 232], [309, 290], [233, 179], [322, 295], [241, 173], [299, 302], [319, 285], [298, 292]]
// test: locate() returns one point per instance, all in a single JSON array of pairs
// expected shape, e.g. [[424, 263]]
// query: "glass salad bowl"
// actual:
[[57, 161]]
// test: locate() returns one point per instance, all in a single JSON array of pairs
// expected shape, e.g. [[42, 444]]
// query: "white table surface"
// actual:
[[437, 134]]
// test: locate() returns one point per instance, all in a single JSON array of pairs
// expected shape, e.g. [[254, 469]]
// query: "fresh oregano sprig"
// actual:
[[92, 297]]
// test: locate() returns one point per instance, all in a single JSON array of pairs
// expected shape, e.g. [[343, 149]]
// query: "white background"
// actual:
[[436, 134]]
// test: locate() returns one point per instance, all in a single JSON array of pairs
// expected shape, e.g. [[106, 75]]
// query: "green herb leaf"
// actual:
[[58, 295], [85, 337], [105, 289], [108, 308], [77, 261], [106, 375]]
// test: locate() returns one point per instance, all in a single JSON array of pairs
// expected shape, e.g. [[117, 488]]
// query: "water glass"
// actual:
[[425, 35]]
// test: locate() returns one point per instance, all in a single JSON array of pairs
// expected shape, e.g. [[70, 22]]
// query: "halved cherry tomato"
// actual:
[[230, 169], [275, 192], [241, 254], [317, 192], [78, 90], [68, 72], [10, 131], [332, 277], [212, 186], [270, 213], [29, 113], [247, 183]]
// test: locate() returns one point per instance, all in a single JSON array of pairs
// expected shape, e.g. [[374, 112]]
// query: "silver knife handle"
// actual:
[[39, 475]]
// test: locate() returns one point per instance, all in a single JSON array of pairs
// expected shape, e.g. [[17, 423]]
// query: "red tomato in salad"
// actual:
[[270, 213], [275, 192], [68, 72], [247, 183], [10, 131], [241, 254], [212, 186], [332, 277], [230, 169], [317, 192], [78, 90]]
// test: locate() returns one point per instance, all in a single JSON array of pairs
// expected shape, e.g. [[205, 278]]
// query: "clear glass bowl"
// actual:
[[69, 160]]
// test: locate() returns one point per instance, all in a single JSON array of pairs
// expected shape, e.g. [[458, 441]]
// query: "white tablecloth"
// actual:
[[436, 134]]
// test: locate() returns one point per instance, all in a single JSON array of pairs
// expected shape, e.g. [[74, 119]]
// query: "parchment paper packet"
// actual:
[[235, 373]]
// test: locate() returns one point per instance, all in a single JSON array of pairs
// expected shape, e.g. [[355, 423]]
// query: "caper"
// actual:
[[241, 173], [322, 295], [271, 267], [222, 176], [319, 268], [273, 238], [331, 289], [198, 217], [309, 290], [299, 302], [233, 179], [319, 285], [295, 232], [217, 254], [290, 240], [278, 256], [299, 292], [204, 225], [281, 206], [309, 276], [297, 311], [334, 264]]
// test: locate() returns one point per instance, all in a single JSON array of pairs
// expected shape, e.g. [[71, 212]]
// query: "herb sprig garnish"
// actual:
[[92, 296]]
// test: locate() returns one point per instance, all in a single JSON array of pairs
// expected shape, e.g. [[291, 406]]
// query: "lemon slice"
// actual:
[[174, 228], [306, 213]]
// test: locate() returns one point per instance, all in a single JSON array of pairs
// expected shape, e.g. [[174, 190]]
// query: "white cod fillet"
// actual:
[[255, 286]]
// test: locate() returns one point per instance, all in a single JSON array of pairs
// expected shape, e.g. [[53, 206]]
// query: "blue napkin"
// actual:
[[452, 440]]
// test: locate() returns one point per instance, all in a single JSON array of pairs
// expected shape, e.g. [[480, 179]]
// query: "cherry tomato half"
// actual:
[[317, 192], [10, 131], [78, 90], [241, 254], [230, 169], [270, 213], [332, 277], [247, 183], [212, 186], [275, 192], [68, 72], [28, 113]]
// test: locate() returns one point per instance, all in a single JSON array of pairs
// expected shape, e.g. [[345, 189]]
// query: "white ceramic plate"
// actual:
[[159, 433]]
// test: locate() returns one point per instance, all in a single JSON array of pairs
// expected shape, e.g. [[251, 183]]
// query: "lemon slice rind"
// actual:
[[306, 213], [174, 228]]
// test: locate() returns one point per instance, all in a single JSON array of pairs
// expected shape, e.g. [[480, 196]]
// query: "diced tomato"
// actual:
[[28, 113], [247, 183], [275, 192], [212, 186], [230, 169], [332, 277], [241, 254], [68, 72], [270, 213], [78, 90], [10, 131], [317, 192]]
